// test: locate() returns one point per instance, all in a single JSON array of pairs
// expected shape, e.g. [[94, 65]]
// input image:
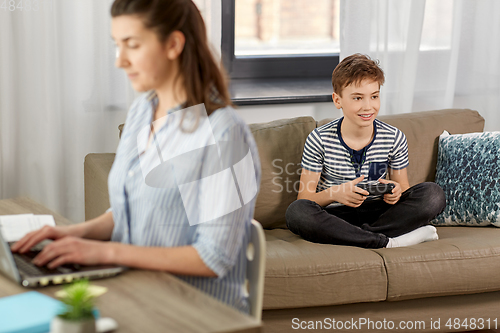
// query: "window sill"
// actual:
[[280, 91]]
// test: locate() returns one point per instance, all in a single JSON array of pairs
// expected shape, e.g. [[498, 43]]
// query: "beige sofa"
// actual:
[[307, 284]]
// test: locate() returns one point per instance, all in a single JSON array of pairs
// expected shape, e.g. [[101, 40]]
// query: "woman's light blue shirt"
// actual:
[[164, 215]]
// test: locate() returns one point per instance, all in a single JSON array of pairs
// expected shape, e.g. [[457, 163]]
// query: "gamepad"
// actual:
[[377, 188]]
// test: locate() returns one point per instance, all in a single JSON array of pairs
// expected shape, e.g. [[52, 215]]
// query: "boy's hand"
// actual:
[[349, 194], [393, 197]]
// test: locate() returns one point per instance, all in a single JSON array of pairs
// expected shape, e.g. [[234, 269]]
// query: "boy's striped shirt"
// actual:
[[326, 152]]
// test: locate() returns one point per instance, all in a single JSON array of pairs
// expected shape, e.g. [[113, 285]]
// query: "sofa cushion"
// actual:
[[280, 145], [96, 169], [468, 170], [422, 130], [463, 261], [120, 130], [303, 274]]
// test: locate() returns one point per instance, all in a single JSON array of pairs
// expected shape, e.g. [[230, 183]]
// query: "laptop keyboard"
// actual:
[[24, 264]]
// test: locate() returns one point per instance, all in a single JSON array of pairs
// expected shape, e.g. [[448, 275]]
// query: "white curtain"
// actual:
[[61, 97], [436, 54], [212, 15]]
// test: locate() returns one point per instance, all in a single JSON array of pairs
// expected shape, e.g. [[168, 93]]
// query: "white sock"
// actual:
[[420, 235]]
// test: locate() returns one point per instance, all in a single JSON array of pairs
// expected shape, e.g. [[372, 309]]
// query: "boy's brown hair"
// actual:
[[354, 69]]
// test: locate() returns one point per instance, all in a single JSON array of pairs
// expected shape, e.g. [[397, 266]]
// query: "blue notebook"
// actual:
[[30, 312]]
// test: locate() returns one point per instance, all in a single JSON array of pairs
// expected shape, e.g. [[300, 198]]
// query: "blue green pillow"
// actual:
[[468, 170]]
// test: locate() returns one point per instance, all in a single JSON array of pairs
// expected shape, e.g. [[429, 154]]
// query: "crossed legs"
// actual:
[[373, 224]]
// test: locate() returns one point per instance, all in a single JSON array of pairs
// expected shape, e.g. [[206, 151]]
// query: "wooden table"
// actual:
[[144, 301]]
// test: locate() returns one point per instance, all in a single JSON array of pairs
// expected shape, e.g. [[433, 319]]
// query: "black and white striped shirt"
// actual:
[[325, 151]]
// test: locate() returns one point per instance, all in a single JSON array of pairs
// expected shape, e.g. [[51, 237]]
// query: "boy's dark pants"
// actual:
[[370, 224]]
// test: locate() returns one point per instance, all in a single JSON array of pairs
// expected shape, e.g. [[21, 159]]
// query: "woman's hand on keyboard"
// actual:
[[76, 251], [47, 232]]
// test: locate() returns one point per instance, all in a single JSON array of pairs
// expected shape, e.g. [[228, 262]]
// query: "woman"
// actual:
[[178, 227]]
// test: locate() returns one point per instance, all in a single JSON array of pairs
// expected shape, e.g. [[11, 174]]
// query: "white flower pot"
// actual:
[[60, 325]]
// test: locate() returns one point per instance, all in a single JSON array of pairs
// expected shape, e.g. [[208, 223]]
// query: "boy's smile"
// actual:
[[359, 103]]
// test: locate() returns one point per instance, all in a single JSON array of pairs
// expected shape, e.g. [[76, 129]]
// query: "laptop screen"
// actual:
[[7, 265]]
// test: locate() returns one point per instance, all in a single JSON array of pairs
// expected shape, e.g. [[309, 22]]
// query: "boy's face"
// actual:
[[359, 103]]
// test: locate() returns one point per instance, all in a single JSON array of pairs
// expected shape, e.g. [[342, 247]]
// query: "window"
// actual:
[[280, 38], [280, 51], [286, 27]]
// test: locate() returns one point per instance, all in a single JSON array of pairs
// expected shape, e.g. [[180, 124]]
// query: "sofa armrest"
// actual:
[[96, 169]]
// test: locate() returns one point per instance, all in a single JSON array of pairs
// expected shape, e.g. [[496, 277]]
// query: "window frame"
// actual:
[[268, 66]]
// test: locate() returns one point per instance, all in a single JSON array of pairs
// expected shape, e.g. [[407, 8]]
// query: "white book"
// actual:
[[14, 227]]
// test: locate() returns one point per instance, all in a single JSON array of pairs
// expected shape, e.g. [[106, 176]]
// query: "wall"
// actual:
[[265, 113]]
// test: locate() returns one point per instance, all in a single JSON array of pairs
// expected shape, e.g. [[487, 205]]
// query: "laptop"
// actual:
[[19, 268]]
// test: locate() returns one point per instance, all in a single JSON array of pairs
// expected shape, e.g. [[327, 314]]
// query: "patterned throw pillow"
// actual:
[[468, 170]]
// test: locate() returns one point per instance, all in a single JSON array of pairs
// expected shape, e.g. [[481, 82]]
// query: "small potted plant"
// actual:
[[78, 316]]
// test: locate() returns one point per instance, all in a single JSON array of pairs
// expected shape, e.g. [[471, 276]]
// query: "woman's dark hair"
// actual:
[[203, 77]]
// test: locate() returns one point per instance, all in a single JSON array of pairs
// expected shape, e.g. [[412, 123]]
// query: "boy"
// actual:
[[357, 149]]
